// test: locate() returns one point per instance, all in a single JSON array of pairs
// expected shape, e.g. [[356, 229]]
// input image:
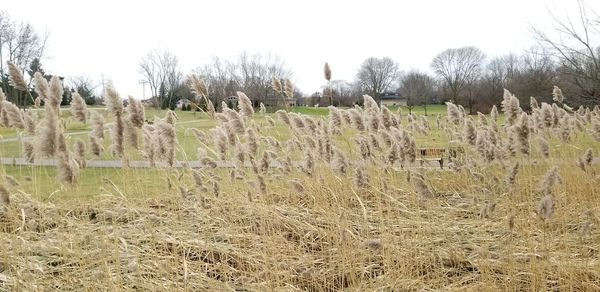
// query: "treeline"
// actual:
[[465, 76]]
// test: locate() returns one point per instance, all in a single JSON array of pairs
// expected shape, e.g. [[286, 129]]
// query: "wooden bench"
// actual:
[[431, 154]]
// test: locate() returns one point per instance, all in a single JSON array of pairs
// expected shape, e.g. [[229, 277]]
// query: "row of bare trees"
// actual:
[[250, 73]]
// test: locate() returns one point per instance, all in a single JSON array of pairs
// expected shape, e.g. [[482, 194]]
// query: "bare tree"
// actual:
[[577, 48], [85, 86], [458, 69], [160, 69], [250, 73], [255, 72], [417, 87], [376, 75], [21, 45]]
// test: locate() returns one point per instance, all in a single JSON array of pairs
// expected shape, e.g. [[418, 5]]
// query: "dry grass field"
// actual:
[[313, 203]]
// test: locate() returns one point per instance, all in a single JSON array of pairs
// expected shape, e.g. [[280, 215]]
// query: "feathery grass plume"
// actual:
[[511, 178], [454, 115], [265, 161], [67, 168], [115, 108], [168, 139], [288, 88], [261, 184], [482, 119], [408, 147], [327, 72], [220, 141], [363, 147], [310, 123], [482, 144], [308, 164], [297, 122], [56, 91], [494, 114], [45, 140], [78, 108], [96, 146], [170, 117], [387, 118], [4, 198], [387, 138], [240, 154], [97, 121], [533, 103], [565, 128], [235, 121], [276, 85], [79, 151], [339, 161], [135, 110], [346, 117], [245, 105], [15, 77], [370, 104], [558, 114], [14, 114], [358, 121], [545, 207], [335, 118], [421, 187], [557, 95], [596, 129], [469, 135], [510, 107], [224, 105], [27, 150], [551, 178], [200, 135], [361, 178], [150, 141], [544, 147], [198, 87], [521, 132], [3, 114], [372, 121], [547, 115], [29, 118], [270, 121], [373, 140], [131, 134], [252, 142], [210, 108], [283, 117], [41, 86], [263, 109], [393, 154]]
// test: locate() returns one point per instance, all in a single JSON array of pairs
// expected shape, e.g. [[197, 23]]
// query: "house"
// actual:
[[392, 99], [183, 102]]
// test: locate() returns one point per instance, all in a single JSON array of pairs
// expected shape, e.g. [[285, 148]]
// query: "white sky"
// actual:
[[108, 38]]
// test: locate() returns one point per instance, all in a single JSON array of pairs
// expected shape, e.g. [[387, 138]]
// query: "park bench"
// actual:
[[431, 154]]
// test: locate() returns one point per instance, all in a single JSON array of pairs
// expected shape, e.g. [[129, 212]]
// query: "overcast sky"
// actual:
[[108, 38]]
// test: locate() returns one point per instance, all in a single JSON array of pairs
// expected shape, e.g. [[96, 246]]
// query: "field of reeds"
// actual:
[[237, 200]]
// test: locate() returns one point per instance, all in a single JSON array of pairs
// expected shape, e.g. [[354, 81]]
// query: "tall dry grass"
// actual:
[[340, 203]]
